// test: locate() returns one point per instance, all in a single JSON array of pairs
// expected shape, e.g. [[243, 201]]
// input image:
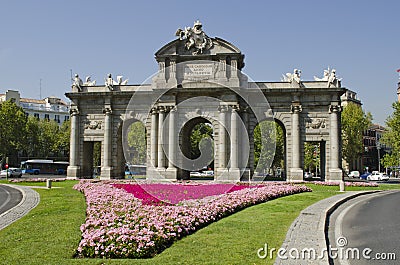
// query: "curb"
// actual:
[[30, 199]]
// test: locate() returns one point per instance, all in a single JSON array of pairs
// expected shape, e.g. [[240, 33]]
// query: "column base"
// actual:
[[335, 174], [105, 173], [296, 175], [73, 171], [171, 173], [228, 175]]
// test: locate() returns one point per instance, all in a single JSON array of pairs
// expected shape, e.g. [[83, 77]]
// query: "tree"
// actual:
[[392, 137], [32, 137], [311, 156], [199, 132], [266, 135], [63, 138], [137, 143], [354, 122], [12, 130]]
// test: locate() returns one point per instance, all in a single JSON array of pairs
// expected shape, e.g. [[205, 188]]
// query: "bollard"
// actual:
[[48, 183], [341, 186]]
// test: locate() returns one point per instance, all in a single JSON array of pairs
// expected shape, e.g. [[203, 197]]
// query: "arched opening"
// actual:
[[314, 160], [196, 143], [134, 149], [91, 166], [269, 164]]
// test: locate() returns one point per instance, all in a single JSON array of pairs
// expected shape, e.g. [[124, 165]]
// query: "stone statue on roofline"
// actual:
[[292, 78], [77, 83], [89, 82], [110, 82], [196, 38], [330, 77]]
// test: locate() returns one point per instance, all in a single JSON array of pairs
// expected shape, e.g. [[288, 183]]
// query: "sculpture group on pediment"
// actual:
[[196, 38]]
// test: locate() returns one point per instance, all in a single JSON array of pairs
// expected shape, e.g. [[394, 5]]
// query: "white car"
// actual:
[[12, 172], [354, 174], [377, 176]]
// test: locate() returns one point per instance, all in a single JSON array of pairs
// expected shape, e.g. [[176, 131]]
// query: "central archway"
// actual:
[[196, 140]]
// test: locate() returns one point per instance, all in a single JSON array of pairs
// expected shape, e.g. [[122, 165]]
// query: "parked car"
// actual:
[[365, 175], [354, 174], [12, 172], [377, 176], [308, 175]]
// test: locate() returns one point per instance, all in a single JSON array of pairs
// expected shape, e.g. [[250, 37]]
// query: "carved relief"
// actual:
[[315, 123], [93, 125]]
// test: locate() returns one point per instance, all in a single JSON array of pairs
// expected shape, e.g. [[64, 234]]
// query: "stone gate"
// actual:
[[200, 79]]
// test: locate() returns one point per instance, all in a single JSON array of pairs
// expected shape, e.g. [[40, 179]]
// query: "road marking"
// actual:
[[8, 197], [339, 219]]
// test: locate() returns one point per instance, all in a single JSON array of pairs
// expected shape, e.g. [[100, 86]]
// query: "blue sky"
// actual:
[[43, 40]]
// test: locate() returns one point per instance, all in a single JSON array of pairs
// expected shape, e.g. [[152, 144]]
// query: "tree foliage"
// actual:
[[199, 132], [268, 145], [12, 128], [392, 137], [311, 156], [137, 143], [354, 122], [25, 136]]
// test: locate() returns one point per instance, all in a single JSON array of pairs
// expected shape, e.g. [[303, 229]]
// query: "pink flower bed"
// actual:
[[158, 194], [119, 225], [36, 180], [347, 183]]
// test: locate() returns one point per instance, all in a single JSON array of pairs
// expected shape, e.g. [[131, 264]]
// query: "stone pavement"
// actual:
[[30, 199], [309, 229]]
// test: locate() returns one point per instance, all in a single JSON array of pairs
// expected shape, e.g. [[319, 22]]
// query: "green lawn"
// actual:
[[50, 232]]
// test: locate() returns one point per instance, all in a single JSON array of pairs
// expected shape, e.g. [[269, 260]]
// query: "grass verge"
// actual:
[[50, 233]]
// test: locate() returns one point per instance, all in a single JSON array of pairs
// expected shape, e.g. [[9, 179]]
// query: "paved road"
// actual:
[[9, 197], [368, 222]]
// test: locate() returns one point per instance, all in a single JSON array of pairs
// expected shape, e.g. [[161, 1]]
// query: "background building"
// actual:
[[373, 149], [51, 108]]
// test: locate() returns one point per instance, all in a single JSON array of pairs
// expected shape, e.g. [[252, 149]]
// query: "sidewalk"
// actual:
[[308, 230], [30, 199]]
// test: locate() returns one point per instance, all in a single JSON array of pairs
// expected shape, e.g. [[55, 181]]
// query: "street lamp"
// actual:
[[378, 147]]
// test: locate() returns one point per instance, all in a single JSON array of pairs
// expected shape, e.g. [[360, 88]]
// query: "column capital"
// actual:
[[234, 108], [74, 111], [335, 108], [171, 108], [161, 109], [296, 108], [223, 108], [107, 110]]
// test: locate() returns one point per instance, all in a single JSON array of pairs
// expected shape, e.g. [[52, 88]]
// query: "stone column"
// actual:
[[245, 145], [161, 157], [296, 173], [221, 171], [153, 138], [74, 168], [222, 138], [234, 172], [234, 138], [172, 170], [107, 144], [335, 172]]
